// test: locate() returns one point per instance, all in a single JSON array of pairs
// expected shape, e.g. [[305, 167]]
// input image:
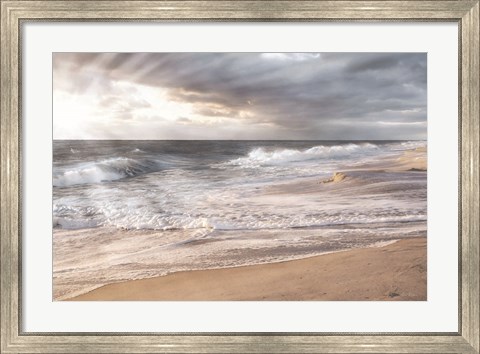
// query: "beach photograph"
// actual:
[[239, 176]]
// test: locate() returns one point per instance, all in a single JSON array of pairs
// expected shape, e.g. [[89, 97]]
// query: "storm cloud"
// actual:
[[321, 96]]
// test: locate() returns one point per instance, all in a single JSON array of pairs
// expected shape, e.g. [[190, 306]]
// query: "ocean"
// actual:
[[183, 205]]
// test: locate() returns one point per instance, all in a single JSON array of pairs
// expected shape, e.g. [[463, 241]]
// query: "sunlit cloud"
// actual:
[[239, 96]]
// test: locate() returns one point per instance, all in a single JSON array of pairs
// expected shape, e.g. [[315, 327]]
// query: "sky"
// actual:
[[246, 96]]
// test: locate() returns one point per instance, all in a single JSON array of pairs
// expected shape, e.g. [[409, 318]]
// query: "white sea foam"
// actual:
[[185, 196], [74, 224], [261, 156], [408, 145], [210, 215], [104, 170]]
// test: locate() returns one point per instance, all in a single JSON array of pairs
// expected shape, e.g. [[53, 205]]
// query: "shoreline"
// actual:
[[168, 263], [394, 272]]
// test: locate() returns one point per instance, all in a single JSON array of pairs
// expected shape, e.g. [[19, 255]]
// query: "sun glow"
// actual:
[[125, 105]]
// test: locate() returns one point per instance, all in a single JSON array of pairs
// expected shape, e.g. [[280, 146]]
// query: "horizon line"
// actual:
[[240, 139]]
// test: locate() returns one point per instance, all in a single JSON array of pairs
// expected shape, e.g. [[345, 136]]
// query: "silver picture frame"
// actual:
[[16, 13]]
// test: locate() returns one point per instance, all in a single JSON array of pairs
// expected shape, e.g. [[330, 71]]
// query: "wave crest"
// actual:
[[104, 170], [261, 156]]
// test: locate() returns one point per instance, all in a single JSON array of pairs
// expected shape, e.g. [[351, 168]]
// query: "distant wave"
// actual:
[[104, 170], [262, 156], [408, 145]]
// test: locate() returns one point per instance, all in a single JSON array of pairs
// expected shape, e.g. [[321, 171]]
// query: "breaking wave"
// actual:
[[262, 156], [104, 170]]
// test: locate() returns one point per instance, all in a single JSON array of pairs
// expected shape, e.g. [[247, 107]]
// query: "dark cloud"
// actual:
[[310, 95]]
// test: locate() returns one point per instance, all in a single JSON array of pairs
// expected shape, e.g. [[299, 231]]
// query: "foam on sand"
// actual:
[[393, 272]]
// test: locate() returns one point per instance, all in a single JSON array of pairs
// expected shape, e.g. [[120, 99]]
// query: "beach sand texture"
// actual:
[[394, 272]]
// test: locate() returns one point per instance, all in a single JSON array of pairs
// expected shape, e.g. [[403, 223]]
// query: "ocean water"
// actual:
[[181, 205], [165, 185]]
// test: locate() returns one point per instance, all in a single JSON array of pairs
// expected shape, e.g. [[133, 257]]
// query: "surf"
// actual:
[[263, 156], [103, 171]]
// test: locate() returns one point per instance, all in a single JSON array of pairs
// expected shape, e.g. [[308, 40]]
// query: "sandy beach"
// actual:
[[397, 271]]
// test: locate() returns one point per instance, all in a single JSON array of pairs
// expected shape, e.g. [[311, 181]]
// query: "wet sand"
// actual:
[[397, 271]]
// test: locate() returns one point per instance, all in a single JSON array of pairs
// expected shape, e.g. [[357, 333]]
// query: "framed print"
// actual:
[[281, 176], [199, 188]]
